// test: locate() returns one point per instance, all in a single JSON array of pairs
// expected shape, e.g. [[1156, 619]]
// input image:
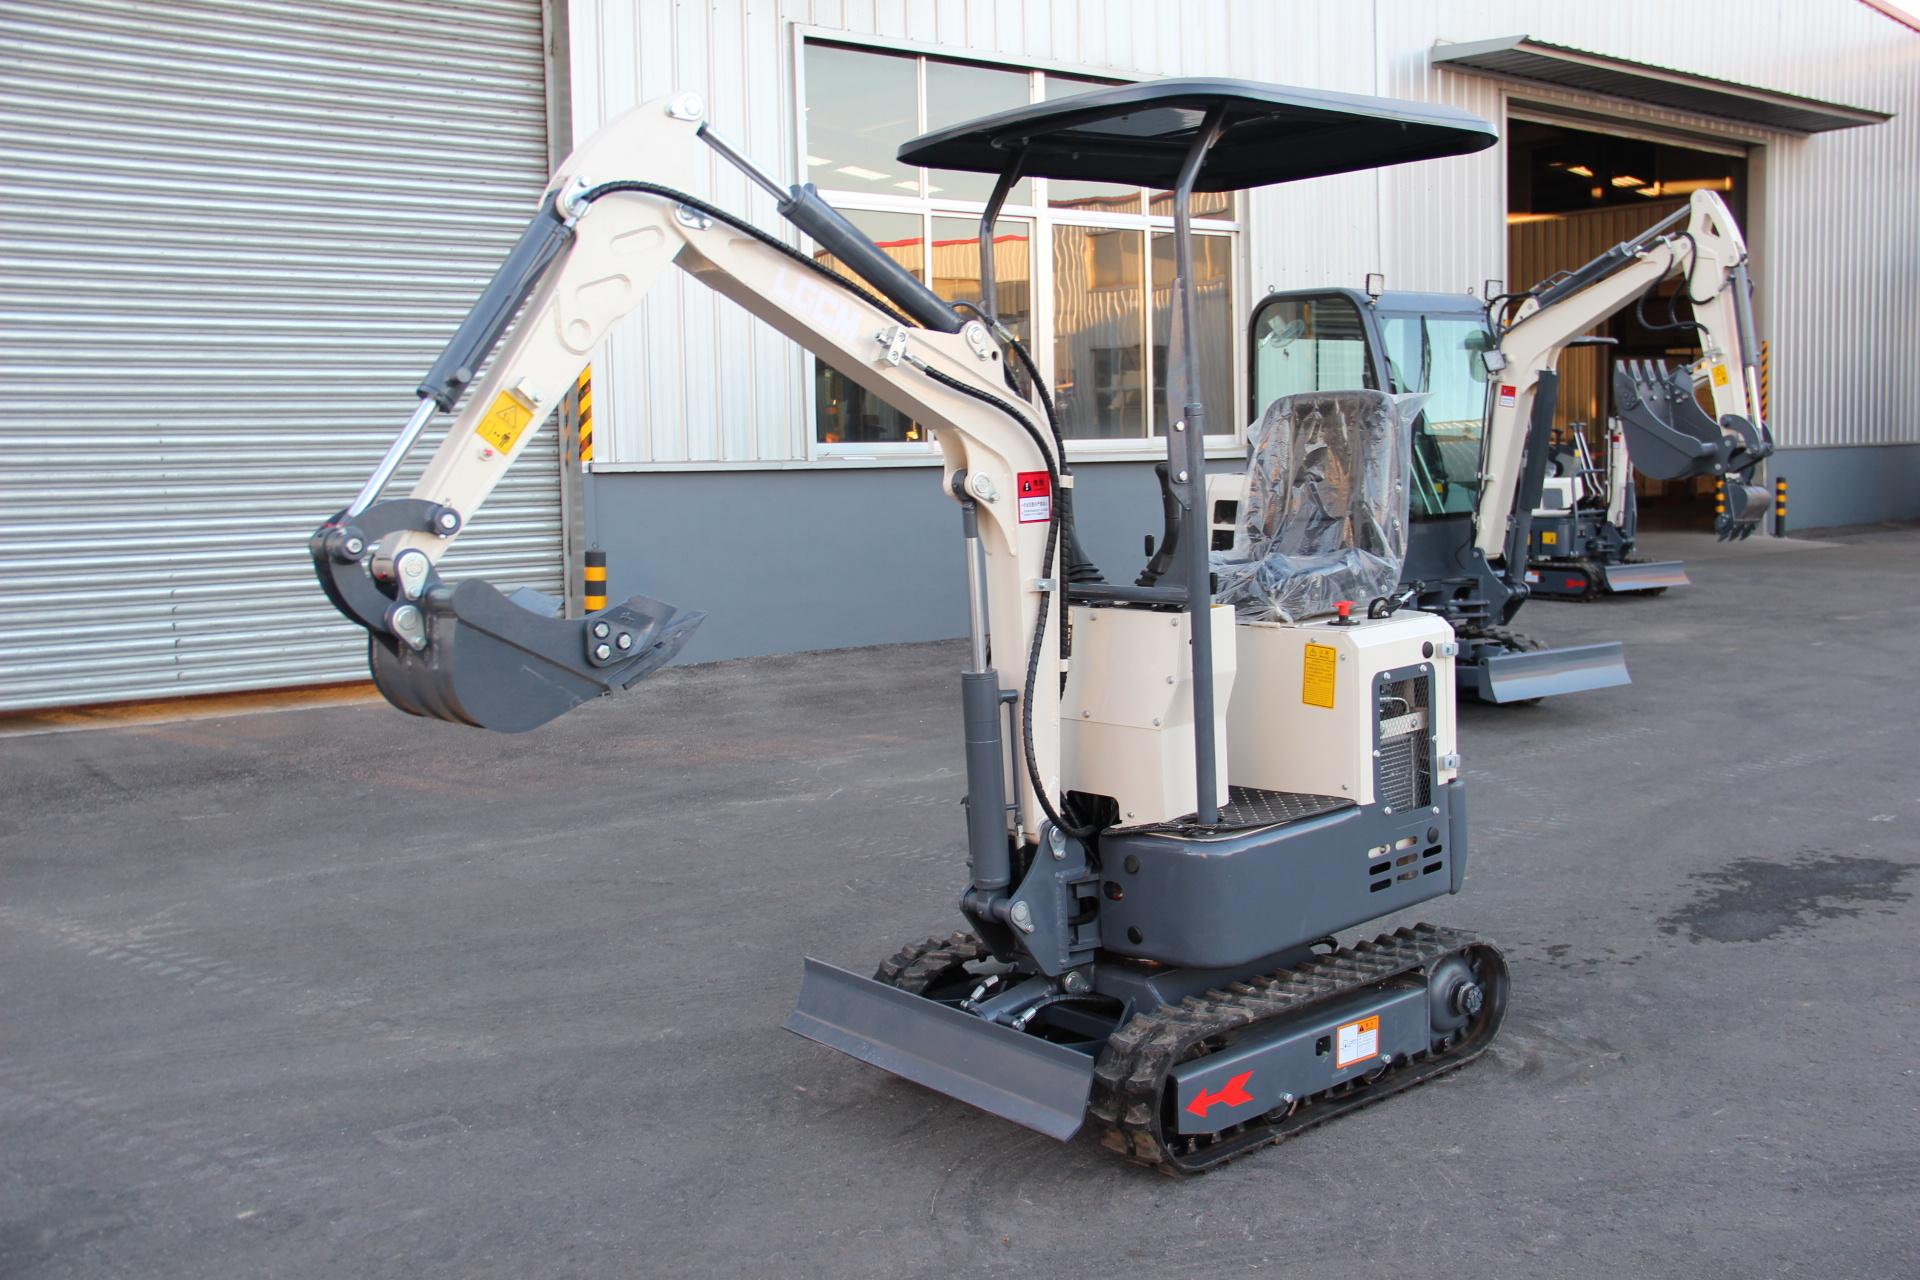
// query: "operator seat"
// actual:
[[1325, 517]]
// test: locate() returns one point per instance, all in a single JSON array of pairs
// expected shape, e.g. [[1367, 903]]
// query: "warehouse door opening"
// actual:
[[1571, 195]]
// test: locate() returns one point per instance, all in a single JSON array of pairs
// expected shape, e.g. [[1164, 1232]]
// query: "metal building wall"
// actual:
[[237, 234], [691, 381]]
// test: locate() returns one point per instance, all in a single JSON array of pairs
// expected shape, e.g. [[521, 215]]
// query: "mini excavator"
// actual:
[[1479, 546], [1174, 802]]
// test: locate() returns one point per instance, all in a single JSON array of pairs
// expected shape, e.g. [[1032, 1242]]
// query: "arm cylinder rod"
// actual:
[[396, 454], [744, 163]]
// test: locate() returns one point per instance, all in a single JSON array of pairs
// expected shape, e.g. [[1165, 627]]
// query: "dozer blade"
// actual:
[[1018, 1077], [1516, 677], [491, 663], [1645, 577]]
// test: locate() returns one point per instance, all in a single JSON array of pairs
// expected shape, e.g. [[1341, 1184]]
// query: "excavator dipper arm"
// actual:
[[1666, 439], [468, 653]]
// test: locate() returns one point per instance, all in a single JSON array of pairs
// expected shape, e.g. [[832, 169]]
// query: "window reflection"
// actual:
[[1308, 344], [958, 92], [860, 107], [956, 267], [1201, 204], [1213, 325], [1099, 378], [845, 412]]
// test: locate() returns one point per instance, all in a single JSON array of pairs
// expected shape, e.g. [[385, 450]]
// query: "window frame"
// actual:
[[1042, 220]]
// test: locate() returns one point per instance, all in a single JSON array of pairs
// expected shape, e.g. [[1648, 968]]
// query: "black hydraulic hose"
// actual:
[[1046, 597], [741, 224], [1080, 566]]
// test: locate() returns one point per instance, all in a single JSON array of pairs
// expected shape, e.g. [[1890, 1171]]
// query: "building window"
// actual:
[[1084, 269]]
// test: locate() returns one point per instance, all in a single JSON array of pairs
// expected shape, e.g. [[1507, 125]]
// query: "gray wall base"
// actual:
[[784, 561], [1849, 484]]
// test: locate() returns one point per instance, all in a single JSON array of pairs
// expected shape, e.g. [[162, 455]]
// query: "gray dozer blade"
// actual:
[[1645, 577], [1515, 677], [495, 664], [1018, 1077]]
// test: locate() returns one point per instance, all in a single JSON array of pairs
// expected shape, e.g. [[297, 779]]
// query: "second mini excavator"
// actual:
[[1170, 810], [1482, 442]]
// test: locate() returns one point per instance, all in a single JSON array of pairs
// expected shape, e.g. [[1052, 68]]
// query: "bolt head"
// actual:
[[623, 641], [602, 652], [1468, 998], [353, 547], [448, 520], [600, 630]]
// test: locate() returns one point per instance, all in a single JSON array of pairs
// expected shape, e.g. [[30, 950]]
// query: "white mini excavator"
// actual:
[[1481, 444], [1174, 802]]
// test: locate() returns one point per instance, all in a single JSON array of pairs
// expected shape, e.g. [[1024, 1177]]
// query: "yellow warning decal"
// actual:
[[504, 422], [1720, 378], [1550, 538], [1316, 686]]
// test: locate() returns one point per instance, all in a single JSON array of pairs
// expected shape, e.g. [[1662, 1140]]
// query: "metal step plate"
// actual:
[[1019, 1077], [1645, 577], [1514, 677]]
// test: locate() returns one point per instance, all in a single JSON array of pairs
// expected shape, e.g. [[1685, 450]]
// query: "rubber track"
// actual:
[[1130, 1083], [914, 968]]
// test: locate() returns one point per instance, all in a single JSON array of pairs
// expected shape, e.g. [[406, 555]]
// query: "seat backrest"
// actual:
[[1326, 509]]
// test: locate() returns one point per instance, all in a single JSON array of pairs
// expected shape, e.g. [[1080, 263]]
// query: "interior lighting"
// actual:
[[1580, 169], [1624, 180]]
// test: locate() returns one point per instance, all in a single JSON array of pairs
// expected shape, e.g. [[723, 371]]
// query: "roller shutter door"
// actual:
[[236, 233]]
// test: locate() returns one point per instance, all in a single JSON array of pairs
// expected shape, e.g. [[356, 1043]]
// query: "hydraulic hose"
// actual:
[[742, 225], [1028, 751]]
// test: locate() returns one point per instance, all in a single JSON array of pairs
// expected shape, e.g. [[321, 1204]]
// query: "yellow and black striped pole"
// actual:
[[1780, 507], [583, 390], [595, 592]]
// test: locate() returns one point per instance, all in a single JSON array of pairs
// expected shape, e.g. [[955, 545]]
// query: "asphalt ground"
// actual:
[[333, 992]]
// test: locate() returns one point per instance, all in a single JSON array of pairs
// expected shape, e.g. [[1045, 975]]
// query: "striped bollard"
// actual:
[[596, 581]]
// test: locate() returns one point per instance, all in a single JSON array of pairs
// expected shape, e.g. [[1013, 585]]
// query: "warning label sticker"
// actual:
[[1357, 1041], [1532, 576], [1036, 496], [1316, 682], [1507, 395], [1720, 378], [504, 422]]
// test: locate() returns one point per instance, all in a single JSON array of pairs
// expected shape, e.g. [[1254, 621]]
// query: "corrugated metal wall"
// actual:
[[692, 379], [238, 233]]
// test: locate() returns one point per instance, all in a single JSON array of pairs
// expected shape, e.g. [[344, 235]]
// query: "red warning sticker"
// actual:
[[1507, 395], [1036, 496]]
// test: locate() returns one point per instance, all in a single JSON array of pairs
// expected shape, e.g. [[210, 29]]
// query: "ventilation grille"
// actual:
[[1404, 774]]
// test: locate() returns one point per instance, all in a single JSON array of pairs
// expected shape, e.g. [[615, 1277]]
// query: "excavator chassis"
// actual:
[[1186, 1085]]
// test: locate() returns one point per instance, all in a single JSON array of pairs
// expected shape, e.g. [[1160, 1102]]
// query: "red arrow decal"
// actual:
[[1233, 1095]]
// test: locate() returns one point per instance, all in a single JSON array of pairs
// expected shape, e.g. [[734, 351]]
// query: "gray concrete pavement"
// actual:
[[337, 993]]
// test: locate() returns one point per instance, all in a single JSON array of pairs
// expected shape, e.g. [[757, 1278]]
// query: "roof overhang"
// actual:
[[1524, 58]]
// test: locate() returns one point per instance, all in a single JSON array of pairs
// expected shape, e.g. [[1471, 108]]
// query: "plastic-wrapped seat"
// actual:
[[1325, 517]]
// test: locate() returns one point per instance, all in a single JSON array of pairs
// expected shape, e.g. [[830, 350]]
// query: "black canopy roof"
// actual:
[[1138, 134]]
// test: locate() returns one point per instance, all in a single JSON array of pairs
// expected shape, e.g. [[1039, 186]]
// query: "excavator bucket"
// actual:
[[493, 663], [1742, 508], [1669, 436], [466, 653]]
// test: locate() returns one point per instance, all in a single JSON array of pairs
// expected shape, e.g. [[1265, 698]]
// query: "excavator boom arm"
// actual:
[[621, 242], [1711, 255]]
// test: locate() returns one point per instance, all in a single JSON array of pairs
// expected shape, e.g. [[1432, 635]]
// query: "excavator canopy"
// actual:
[[1139, 134]]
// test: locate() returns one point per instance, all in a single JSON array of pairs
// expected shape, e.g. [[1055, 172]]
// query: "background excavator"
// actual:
[[1482, 445], [1173, 803]]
